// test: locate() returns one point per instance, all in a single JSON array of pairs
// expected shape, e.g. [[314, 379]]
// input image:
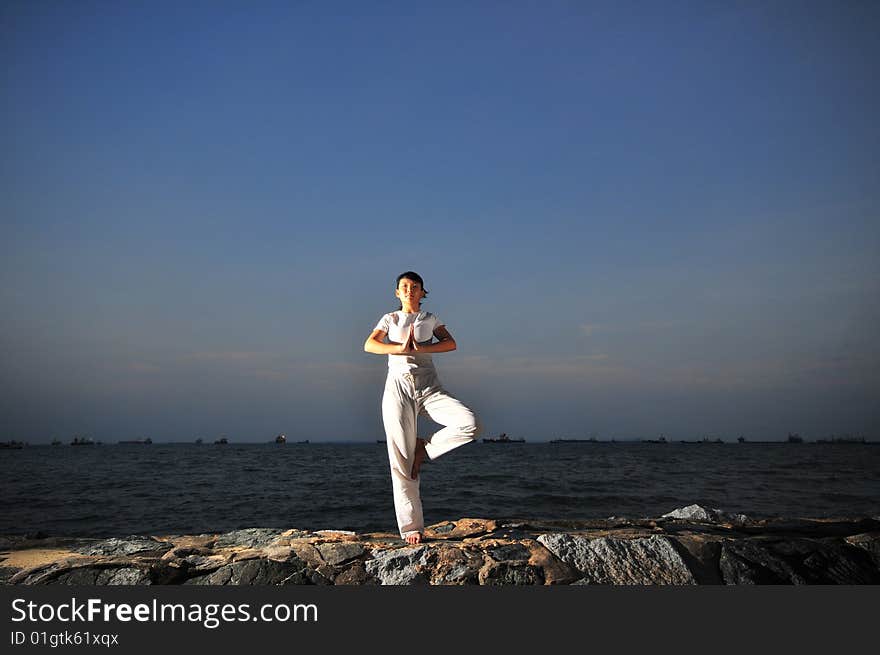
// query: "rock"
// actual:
[[129, 576], [190, 541], [750, 563], [700, 513], [248, 538], [134, 545], [507, 552], [346, 535], [295, 534], [198, 564], [442, 528], [473, 551], [649, 560], [511, 573], [553, 570], [795, 561], [869, 542], [35, 575], [461, 529], [336, 553], [307, 552], [186, 551], [280, 553], [400, 566], [453, 565], [701, 555], [257, 572], [6, 573], [356, 574], [691, 512], [94, 574], [248, 553], [166, 572]]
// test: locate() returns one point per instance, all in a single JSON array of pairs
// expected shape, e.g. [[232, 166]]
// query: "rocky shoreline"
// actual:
[[690, 546]]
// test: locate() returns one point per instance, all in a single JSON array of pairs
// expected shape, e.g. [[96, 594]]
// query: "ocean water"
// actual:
[[186, 488]]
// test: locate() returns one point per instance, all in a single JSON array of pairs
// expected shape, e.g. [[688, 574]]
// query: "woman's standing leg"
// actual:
[[399, 414]]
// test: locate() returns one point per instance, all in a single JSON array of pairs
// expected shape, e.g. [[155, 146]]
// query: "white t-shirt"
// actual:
[[397, 324]]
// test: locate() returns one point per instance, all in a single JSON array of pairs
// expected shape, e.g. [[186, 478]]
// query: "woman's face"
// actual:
[[409, 292]]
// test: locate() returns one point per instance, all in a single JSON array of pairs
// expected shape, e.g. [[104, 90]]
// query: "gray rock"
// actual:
[[795, 561], [198, 564], [505, 552], [649, 560], [128, 576], [448, 564], [701, 554], [36, 575], [700, 513], [88, 575], [400, 566], [133, 545], [336, 553], [355, 574], [869, 542], [248, 538], [187, 551], [257, 572], [6, 573], [459, 573], [511, 573], [749, 563], [336, 533]]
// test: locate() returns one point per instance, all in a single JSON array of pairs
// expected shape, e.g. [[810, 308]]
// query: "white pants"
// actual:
[[406, 396]]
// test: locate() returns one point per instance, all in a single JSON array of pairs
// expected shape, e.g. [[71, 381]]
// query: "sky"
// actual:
[[635, 218]]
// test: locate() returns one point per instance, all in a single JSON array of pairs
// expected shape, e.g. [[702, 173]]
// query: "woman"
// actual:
[[412, 388]]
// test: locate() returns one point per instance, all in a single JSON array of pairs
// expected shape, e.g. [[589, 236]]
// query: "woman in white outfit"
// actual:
[[413, 388]]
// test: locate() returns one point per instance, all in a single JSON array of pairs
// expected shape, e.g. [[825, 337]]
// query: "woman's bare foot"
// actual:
[[418, 458], [414, 538]]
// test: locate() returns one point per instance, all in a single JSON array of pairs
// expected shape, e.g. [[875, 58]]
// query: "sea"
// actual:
[[120, 489]]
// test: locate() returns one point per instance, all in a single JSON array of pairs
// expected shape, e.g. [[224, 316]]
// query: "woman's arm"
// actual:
[[376, 344], [445, 343]]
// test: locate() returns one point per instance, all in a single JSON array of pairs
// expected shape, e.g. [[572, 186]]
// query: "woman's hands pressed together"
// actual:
[[410, 345]]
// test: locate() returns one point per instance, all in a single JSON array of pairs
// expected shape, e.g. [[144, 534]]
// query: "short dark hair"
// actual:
[[410, 275]]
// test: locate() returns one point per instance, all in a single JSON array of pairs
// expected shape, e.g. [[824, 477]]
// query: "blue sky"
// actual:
[[636, 218]]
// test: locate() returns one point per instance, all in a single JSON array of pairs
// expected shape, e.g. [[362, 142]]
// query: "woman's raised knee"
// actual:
[[474, 429]]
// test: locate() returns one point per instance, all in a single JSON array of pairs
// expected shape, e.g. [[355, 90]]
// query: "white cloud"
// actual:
[[587, 329]]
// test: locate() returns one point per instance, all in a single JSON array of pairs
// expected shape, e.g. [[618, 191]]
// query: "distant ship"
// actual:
[[222, 441], [139, 442], [199, 441], [502, 438], [56, 442], [12, 444], [82, 441], [380, 441], [842, 440], [704, 440], [662, 439], [280, 439]]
